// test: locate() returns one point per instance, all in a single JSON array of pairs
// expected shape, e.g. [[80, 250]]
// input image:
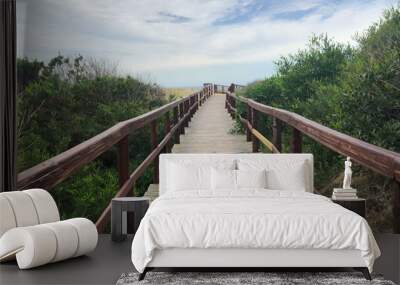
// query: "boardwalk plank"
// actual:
[[209, 132]]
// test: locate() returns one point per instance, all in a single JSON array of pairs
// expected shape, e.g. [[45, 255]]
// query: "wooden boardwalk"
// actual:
[[209, 132]]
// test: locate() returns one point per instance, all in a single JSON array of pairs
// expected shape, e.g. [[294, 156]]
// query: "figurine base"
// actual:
[[344, 194], [350, 190]]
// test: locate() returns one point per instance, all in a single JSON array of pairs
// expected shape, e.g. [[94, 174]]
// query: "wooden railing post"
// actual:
[[186, 110], [154, 143], [181, 115], [194, 104], [123, 161], [254, 123], [184, 114], [200, 99], [277, 134], [176, 121], [297, 141], [248, 131], [168, 146], [190, 111]]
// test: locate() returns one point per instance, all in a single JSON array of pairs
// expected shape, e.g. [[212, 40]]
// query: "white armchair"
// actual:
[[31, 230]]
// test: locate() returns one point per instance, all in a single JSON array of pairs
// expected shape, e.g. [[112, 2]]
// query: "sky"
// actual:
[[183, 43]]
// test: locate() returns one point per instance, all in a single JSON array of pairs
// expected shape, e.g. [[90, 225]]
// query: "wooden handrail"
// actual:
[[51, 172], [125, 189], [262, 139], [54, 170], [376, 158]]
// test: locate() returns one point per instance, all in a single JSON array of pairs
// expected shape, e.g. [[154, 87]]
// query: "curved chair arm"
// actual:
[[40, 244]]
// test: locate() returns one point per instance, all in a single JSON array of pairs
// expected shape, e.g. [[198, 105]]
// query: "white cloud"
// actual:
[[146, 36]]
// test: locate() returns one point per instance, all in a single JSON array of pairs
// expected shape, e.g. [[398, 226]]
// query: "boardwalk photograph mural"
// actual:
[[104, 87]]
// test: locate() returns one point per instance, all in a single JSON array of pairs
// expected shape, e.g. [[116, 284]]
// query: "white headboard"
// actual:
[[165, 159]]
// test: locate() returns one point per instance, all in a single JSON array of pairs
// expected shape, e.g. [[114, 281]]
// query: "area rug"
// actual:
[[243, 278]]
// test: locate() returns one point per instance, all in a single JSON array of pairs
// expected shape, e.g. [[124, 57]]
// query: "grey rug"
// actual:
[[229, 278]]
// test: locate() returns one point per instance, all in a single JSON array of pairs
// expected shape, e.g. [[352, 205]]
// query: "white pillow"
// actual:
[[282, 174], [193, 174], [293, 180], [251, 179], [223, 179], [183, 177]]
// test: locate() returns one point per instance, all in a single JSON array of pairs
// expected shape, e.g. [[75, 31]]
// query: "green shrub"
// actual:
[[355, 90], [67, 101]]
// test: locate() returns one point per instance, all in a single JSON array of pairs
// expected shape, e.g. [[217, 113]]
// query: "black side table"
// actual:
[[119, 209], [358, 205]]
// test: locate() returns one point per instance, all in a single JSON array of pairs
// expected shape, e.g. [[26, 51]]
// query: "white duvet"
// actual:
[[255, 218]]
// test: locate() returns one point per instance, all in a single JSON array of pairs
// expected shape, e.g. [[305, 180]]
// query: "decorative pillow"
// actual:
[[282, 174], [293, 180], [251, 179], [183, 177], [223, 179], [189, 174]]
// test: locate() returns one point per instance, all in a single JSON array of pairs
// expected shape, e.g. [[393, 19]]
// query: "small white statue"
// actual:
[[347, 174]]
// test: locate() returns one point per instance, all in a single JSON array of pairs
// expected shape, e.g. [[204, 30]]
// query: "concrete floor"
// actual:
[[103, 266], [110, 260]]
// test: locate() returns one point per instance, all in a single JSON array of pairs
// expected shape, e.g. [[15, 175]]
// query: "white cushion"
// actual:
[[251, 179], [23, 208], [87, 233], [26, 208], [193, 174], [34, 244], [228, 161], [7, 218], [67, 240], [288, 175], [45, 205], [223, 179], [188, 178], [40, 244], [294, 179]]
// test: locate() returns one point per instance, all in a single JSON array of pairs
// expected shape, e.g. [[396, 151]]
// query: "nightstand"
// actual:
[[119, 219], [358, 205]]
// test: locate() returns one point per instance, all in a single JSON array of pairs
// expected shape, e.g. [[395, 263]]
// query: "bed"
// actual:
[[247, 210]]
